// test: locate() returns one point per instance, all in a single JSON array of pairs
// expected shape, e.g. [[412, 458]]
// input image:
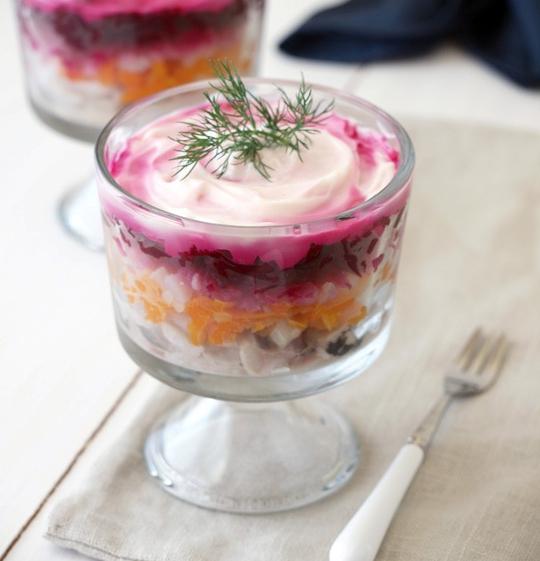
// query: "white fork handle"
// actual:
[[361, 538]]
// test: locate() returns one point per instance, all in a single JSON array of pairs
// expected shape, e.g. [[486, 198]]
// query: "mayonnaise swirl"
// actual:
[[330, 178]]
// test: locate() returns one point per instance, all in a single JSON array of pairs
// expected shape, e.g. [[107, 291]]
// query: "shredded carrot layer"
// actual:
[[217, 322], [161, 74], [148, 292]]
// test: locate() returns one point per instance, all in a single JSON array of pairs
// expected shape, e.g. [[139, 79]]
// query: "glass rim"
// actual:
[[399, 179]]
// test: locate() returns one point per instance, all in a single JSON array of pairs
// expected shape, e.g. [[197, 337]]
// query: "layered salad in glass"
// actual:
[[87, 58], [254, 235]]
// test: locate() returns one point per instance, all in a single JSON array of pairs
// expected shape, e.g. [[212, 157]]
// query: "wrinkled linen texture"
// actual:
[[471, 256]]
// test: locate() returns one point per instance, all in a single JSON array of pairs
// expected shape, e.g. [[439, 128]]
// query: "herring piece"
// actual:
[[283, 333], [258, 361]]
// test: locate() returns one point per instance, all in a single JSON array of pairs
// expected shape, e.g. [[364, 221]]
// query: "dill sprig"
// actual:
[[238, 125]]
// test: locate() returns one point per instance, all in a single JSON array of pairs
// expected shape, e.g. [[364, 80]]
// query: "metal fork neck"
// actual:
[[423, 435]]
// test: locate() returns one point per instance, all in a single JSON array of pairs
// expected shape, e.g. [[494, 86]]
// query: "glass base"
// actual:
[[80, 215], [251, 458]]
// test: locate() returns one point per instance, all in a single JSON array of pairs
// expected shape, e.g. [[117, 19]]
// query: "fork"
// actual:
[[475, 370]]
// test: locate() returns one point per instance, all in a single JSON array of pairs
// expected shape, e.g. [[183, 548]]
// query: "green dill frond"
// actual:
[[238, 125]]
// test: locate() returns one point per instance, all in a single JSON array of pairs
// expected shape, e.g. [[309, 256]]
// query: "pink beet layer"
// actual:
[[285, 246], [97, 9]]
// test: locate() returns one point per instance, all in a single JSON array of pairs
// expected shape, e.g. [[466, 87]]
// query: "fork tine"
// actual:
[[499, 356], [469, 351], [493, 359], [487, 349], [483, 359]]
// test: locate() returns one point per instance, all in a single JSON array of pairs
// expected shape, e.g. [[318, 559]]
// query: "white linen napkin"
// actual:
[[471, 256]]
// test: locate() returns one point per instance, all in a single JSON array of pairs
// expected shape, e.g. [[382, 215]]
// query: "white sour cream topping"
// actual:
[[329, 179]]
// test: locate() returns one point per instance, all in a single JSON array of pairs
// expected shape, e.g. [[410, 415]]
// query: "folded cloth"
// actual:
[[503, 33], [470, 256]]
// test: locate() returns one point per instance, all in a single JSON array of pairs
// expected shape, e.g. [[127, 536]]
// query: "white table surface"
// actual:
[[62, 367]]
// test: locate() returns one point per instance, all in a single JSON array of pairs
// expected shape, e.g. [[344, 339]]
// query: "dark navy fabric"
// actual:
[[503, 33]]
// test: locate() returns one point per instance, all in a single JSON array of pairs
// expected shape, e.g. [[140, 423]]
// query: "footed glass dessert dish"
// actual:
[[252, 278], [85, 59]]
